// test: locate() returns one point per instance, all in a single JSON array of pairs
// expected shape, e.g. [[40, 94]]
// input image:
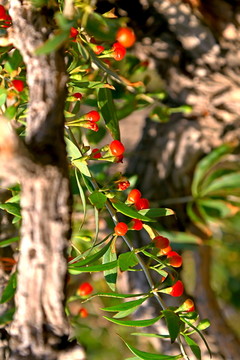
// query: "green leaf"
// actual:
[[98, 199], [10, 289], [92, 258], [149, 356], [126, 305], [110, 275], [223, 185], [205, 165], [108, 111], [124, 313], [156, 212], [127, 260], [13, 209], [82, 167], [116, 295], [102, 28], [140, 323], [82, 195], [194, 346], [129, 211], [151, 335], [218, 209], [8, 242], [203, 324], [3, 97], [53, 43], [72, 149], [7, 316], [13, 62], [173, 324], [91, 84], [93, 268]]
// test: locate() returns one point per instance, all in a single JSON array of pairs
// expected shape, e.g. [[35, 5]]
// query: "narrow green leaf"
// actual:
[[203, 324], [82, 167], [92, 258], [125, 306], [137, 323], [108, 111], [149, 356], [200, 334], [127, 260], [13, 209], [10, 289], [82, 196], [173, 324], [8, 242], [93, 268], [53, 43], [111, 275], [124, 313], [98, 199], [3, 98], [194, 346], [7, 316], [218, 209], [156, 212], [223, 185], [72, 149], [205, 165], [129, 211], [151, 335]]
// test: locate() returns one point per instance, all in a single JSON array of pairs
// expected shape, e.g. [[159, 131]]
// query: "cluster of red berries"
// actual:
[[5, 17], [173, 258], [134, 198], [89, 119]]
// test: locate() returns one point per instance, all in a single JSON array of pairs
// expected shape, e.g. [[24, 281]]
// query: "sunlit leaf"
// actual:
[[137, 323], [156, 212], [127, 260], [13, 209], [110, 275], [125, 306]]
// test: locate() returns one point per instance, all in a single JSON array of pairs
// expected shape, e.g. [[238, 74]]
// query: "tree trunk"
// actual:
[[40, 329]]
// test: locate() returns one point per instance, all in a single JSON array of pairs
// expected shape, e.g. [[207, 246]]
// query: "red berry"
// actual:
[[84, 289], [134, 196], [177, 289], [3, 13], [77, 95], [98, 49], [161, 242], [118, 51], [188, 305], [96, 154], [137, 224], [83, 313], [142, 204], [116, 148], [73, 32], [92, 116], [91, 125], [18, 85], [126, 37], [123, 185], [174, 259], [121, 229]]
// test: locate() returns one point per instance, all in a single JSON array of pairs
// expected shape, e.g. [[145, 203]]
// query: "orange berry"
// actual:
[[83, 313], [188, 305], [137, 224], [126, 37], [116, 148], [134, 196], [98, 49], [84, 289], [92, 116], [121, 229], [174, 259]]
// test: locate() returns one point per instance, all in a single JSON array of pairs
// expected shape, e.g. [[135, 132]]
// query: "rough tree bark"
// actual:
[[194, 45], [40, 329]]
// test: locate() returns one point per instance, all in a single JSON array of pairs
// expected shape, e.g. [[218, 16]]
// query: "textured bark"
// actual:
[[194, 45], [40, 329]]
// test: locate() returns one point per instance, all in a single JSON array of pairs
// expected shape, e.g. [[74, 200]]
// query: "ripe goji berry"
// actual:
[[84, 289], [142, 204], [77, 95], [137, 224], [98, 49], [73, 32], [83, 313], [116, 148], [119, 51], [121, 229], [18, 85], [134, 196], [162, 243], [174, 259], [177, 289], [93, 116], [126, 37]]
